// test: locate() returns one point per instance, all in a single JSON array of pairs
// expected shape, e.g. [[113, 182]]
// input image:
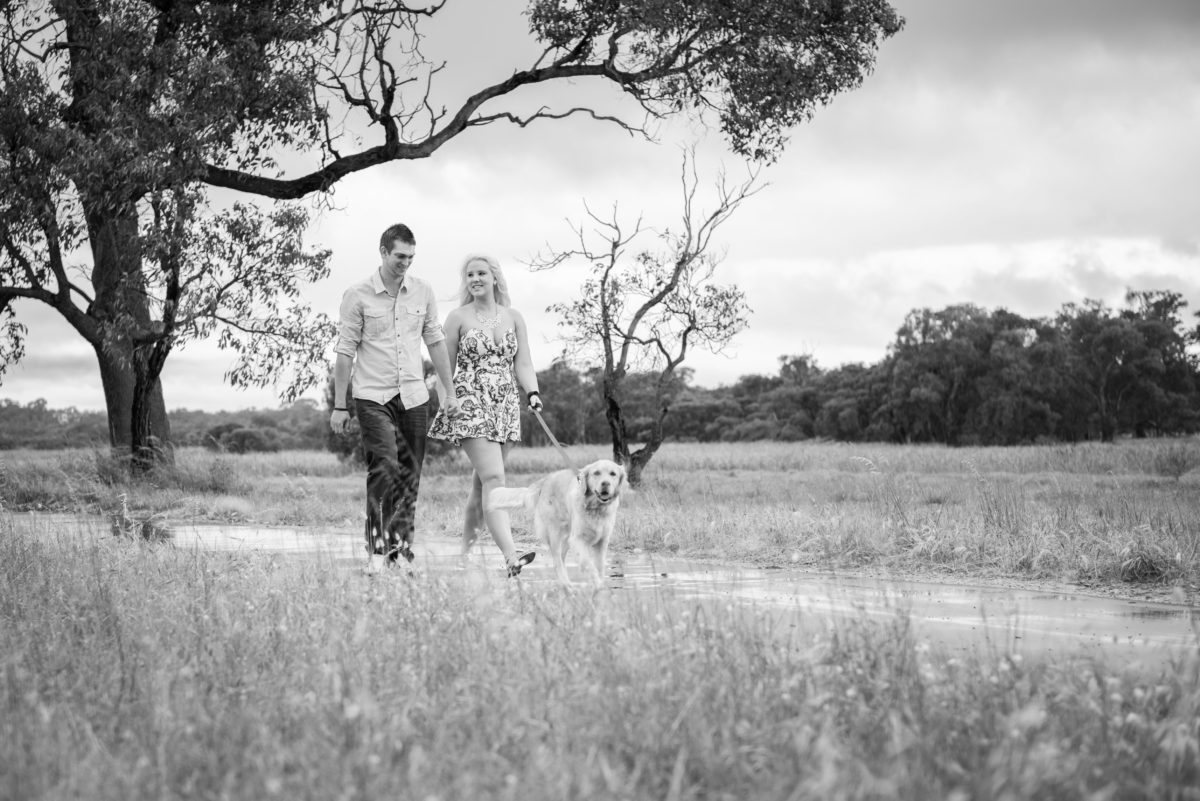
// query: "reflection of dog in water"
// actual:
[[568, 506], [388, 529]]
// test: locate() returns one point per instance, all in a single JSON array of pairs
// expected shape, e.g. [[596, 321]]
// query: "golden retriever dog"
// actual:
[[571, 505]]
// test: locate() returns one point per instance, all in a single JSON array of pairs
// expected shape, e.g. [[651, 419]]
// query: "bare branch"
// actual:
[[543, 114], [379, 10]]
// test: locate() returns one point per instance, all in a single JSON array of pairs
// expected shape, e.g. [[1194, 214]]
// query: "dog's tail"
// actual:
[[512, 498]]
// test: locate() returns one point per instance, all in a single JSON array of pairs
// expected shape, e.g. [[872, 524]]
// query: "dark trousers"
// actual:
[[394, 442]]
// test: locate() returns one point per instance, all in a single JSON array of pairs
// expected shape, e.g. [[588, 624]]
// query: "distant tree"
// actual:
[[798, 369], [1167, 396], [645, 312], [1013, 404], [250, 440], [571, 402], [797, 401], [756, 418], [36, 425], [116, 115], [214, 438], [236, 438], [696, 412], [852, 400], [935, 361], [1107, 357]]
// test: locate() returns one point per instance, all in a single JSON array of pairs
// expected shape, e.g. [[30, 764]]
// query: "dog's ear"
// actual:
[[582, 478]]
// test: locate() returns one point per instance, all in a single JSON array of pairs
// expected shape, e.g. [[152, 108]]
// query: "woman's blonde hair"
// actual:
[[500, 291]]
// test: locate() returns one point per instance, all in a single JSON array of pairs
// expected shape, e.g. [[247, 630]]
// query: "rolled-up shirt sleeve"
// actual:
[[432, 333], [350, 324]]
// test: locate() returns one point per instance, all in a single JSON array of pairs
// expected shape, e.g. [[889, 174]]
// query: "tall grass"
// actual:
[[136, 671], [1127, 512]]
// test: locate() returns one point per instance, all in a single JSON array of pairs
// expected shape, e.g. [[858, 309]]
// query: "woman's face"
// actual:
[[479, 279]]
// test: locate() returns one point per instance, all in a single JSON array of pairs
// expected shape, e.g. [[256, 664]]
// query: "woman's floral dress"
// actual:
[[486, 390]]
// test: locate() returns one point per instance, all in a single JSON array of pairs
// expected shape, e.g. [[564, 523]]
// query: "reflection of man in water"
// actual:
[[383, 320]]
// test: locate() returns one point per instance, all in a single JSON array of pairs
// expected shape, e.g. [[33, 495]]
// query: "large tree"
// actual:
[[116, 114]]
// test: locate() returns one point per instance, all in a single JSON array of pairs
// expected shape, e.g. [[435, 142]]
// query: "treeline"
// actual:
[[298, 426], [959, 376]]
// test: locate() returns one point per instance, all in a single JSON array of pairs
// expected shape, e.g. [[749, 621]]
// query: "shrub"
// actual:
[[249, 440], [214, 438], [1177, 459]]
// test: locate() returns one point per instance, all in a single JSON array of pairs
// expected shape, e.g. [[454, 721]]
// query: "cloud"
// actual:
[[975, 131], [849, 310]]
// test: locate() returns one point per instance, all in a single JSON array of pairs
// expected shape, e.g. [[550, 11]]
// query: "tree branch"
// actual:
[[465, 117], [378, 11]]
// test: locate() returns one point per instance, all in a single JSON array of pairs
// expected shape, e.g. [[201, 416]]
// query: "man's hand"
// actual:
[[339, 421]]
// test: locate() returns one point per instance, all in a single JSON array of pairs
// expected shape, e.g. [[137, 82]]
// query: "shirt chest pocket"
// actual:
[[413, 321], [376, 324]]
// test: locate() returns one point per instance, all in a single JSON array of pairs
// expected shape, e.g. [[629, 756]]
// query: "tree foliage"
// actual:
[[763, 67]]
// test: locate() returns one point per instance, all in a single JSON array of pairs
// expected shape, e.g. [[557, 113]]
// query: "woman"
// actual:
[[487, 344]]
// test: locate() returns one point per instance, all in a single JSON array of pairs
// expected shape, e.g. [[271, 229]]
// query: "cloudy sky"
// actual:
[[1017, 154]]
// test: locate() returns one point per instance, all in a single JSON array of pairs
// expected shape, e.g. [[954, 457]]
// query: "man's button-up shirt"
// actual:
[[383, 335]]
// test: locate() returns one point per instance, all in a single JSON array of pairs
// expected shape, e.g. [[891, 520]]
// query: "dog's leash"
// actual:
[[561, 450]]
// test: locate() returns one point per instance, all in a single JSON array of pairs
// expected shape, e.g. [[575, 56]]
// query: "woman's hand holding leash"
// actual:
[[535, 406]]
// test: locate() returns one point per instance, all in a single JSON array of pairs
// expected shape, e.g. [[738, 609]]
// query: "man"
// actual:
[[383, 320]]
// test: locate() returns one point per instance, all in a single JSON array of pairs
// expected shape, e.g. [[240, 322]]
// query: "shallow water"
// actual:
[[947, 616], [950, 616]]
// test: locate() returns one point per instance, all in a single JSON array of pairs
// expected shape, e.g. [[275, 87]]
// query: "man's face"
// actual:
[[399, 257]]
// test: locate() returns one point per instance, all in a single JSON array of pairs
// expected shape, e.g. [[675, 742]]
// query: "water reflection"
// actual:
[[950, 616]]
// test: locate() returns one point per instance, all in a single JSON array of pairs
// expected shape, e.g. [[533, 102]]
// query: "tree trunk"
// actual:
[[638, 460], [635, 462], [146, 448], [118, 380], [616, 427], [121, 300], [1108, 428]]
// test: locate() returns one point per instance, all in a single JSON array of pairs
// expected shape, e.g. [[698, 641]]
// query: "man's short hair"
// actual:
[[396, 233]]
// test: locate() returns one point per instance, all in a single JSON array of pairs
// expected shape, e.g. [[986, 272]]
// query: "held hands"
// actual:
[[453, 409], [535, 400], [339, 421]]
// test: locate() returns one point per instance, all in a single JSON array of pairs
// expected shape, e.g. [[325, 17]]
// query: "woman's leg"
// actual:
[[473, 518], [487, 458]]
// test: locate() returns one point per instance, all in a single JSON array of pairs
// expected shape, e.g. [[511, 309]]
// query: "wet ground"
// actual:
[[954, 617]]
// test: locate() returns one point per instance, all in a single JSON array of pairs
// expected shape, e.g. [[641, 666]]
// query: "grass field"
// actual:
[[1092, 513], [132, 669]]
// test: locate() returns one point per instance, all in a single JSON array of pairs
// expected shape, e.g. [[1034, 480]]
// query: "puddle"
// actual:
[[949, 616], [960, 617]]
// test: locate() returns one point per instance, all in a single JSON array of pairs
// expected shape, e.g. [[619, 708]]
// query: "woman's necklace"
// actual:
[[487, 323]]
